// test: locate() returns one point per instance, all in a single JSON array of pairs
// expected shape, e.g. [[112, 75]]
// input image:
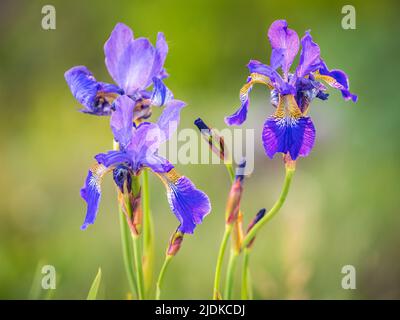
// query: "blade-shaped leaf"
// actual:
[[95, 286]]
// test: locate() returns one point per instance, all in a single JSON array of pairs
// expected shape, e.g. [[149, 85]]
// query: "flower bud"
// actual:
[[214, 140], [175, 243], [257, 218]]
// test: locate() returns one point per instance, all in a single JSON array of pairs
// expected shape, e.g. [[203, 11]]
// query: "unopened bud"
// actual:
[[253, 222], [235, 194], [214, 140], [175, 243]]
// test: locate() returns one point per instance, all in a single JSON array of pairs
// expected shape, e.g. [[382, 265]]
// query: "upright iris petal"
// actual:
[[133, 63], [286, 41], [309, 56]]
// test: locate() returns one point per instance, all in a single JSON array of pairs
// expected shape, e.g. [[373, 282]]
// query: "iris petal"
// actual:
[[337, 79], [189, 204], [91, 193], [240, 115], [132, 63], [122, 120], [93, 95], [161, 94], [309, 56], [288, 134], [284, 39]]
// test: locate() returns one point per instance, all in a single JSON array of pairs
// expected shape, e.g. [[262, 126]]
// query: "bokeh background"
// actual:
[[343, 206]]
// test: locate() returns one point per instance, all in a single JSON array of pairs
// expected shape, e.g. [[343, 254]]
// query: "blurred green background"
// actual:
[[343, 206]]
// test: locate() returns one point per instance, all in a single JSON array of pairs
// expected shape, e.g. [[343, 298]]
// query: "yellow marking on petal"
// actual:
[[287, 106], [98, 171], [172, 175], [255, 78], [329, 80]]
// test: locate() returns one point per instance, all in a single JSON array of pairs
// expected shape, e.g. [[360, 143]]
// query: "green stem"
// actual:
[[160, 279], [274, 210], [221, 253], [127, 251], [138, 267], [231, 172], [246, 288], [137, 252], [230, 274], [148, 233]]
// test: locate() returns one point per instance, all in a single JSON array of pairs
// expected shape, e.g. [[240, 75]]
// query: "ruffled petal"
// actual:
[[286, 40], [291, 135], [122, 120], [96, 97], [91, 193], [131, 63], [337, 79], [189, 204], [161, 94], [309, 56]]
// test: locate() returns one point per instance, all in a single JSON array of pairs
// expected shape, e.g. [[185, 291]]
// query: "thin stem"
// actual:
[[127, 251], [231, 172], [148, 233], [230, 274], [160, 279], [246, 288], [138, 267], [221, 253], [274, 210], [137, 252]]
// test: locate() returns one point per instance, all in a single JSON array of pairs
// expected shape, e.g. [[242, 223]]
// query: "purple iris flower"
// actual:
[[289, 130], [138, 149], [134, 65]]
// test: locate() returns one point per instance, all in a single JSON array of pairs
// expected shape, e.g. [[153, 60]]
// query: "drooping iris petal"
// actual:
[[169, 119], [122, 120], [337, 79], [94, 96], [161, 94], [286, 40], [130, 62], [309, 56], [240, 115], [189, 204], [91, 192], [288, 134]]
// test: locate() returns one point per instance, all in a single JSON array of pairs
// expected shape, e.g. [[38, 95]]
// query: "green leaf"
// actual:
[[95, 286]]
